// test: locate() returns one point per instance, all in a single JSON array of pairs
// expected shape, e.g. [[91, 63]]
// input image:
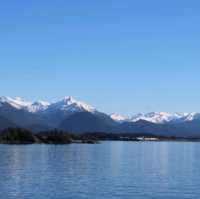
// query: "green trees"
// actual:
[[17, 136], [54, 137], [23, 136]]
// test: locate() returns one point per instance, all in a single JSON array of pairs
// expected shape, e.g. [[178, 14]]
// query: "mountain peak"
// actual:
[[38, 106], [164, 117], [17, 102], [69, 100], [155, 117], [118, 118], [69, 104]]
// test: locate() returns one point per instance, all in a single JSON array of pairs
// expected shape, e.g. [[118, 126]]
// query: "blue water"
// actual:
[[111, 170]]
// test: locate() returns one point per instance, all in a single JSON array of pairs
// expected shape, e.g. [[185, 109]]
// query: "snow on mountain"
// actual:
[[153, 117], [20, 104], [118, 118], [17, 102], [69, 104], [191, 116], [38, 106], [158, 117]]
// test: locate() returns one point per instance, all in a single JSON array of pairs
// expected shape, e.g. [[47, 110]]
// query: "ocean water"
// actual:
[[110, 170]]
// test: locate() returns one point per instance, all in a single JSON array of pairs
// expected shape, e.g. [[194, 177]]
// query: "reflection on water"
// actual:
[[114, 170]]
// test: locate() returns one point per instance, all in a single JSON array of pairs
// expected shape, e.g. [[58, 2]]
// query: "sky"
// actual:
[[120, 56]]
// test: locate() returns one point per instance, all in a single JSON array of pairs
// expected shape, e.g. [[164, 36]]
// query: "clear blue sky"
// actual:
[[120, 56]]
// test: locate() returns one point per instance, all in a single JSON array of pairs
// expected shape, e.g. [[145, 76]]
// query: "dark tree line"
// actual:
[[24, 136]]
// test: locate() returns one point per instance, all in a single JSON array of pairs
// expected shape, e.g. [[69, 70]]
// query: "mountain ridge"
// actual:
[[72, 115], [72, 105]]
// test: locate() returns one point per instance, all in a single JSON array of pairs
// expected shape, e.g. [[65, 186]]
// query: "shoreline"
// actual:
[[91, 142], [18, 136]]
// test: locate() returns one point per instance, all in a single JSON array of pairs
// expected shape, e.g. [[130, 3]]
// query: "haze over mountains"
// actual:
[[74, 116]]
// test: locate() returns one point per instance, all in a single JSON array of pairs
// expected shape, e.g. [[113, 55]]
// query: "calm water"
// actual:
[[111, 170]]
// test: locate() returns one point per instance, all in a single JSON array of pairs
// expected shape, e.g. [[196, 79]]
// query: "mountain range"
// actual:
[[74, 116]]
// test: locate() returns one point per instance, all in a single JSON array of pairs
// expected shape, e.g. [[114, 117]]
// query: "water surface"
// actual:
[[113, 170]]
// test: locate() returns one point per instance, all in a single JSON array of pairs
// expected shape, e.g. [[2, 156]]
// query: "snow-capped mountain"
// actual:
[[54, 113], [154, 117], [17, 102], [164, 117], [42, 114], [69, 104], [118, 118], [72, 115], [158, 117], [38, 106], [20, 104], [191, 116]]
